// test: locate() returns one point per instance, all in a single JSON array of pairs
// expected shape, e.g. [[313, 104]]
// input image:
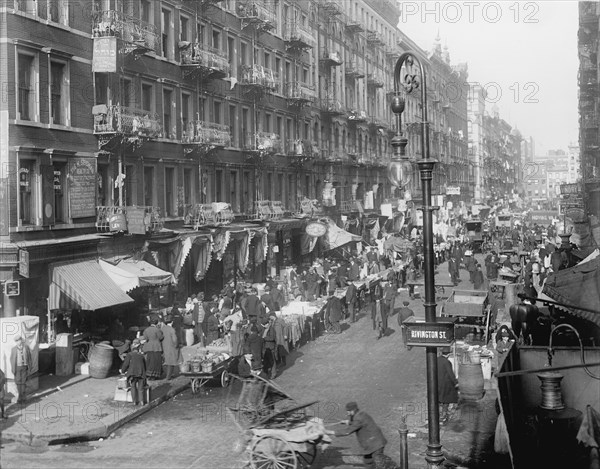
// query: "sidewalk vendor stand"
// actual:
[[204, 364]]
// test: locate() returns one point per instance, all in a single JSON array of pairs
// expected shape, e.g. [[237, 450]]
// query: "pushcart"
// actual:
[[287, 437], [220, 371], [473, 310]]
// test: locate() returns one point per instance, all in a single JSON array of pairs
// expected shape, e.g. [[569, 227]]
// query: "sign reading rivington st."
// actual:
[[429, 334]]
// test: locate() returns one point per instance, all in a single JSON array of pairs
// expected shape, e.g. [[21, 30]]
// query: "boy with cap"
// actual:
[[369, 435], [134, 367]]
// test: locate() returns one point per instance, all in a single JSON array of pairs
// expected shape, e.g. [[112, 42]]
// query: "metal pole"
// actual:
[[403, 431], [433, 454]]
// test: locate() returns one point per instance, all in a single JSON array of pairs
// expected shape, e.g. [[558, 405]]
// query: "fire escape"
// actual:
[[118, 37]]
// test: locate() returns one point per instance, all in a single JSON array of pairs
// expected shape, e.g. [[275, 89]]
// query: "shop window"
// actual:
[[27, 102], [60, 200], [27, 192]]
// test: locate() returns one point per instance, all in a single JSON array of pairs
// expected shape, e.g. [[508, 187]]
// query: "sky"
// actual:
[[523, 53]]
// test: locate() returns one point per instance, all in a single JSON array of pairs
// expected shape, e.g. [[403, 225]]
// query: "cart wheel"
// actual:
[[272, 452], [195, 385], [225, 379], [307, 458]]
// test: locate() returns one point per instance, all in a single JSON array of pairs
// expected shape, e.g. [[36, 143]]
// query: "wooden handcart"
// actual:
[[473, 310], [220, 371], [283, 438]]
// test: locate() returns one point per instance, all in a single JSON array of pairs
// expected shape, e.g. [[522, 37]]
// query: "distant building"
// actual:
[[589, 101]]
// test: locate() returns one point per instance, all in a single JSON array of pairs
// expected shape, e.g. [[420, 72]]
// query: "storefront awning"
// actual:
[[337, 237], [83, 285], [579, 286], [129, 274]]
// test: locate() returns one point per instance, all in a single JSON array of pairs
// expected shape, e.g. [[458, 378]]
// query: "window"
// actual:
[[216, 39], [247, 189], [187, 186], [127, 92], [232, 125], [280, 188], [59, 93], [232, 56], [245, 127], [148, 185], [27, 109], [146, 11], [267, 60], [268, 122], [269, 187], [234, 191], [26, 192], [169, 125], [184, 28], [101, 88], [186, 114], [202, 108], [130, 185], [218, 113], [58, 11], [243, 53], [219, 193], [147, 97], [290, 202], [170, 199], [167, 34]]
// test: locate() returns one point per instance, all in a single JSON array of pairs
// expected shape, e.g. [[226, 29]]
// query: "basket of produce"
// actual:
[[207, 366]]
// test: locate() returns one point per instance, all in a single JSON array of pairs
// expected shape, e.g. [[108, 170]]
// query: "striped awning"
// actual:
[[83, 285]]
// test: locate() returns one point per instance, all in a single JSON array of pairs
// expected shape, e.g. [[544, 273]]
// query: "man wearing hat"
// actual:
[[369, 435], [351, 299], [20, 361], [447, 383], [134, 367]]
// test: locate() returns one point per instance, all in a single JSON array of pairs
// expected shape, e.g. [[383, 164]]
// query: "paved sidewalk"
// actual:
[[81, 408]]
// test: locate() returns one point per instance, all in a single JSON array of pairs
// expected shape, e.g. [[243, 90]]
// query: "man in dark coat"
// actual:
[[389, 298], [354, 270], [134, 367], [369, 435], [447, 384], [267, 299], [478, 278], [351, 299], [251, 305], [524, 318], [334, 310], [453, 270], [278, 297], [404, 313]]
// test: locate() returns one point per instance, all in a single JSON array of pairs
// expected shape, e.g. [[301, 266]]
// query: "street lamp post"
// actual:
[[399, 173]]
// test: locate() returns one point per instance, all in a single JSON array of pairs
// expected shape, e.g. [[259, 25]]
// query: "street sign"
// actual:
[[429, 334], [24, 263], [12, 288]]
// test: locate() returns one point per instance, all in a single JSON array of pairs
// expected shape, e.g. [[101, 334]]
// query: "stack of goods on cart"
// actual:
[[204, 361], [221, 345]]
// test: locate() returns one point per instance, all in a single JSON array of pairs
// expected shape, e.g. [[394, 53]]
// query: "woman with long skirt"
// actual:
[[153, 349]]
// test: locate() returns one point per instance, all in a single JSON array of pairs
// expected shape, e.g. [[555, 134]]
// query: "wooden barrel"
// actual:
[[470, 381], [101, 359]]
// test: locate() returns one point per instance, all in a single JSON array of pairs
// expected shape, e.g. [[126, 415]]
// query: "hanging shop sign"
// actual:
[[24, 263], [453, 190], [4, 208], [12, 288], [316, 229], [105, 55], [82, 187], [570, 189], [429, 334], [137, 222]]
